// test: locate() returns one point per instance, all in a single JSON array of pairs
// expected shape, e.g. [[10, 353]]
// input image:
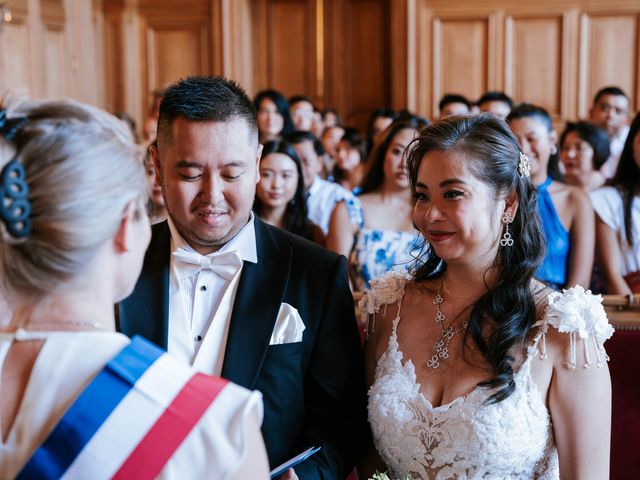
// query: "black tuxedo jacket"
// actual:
[[314, 391]]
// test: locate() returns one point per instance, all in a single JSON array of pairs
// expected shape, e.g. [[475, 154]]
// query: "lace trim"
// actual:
[[580, 314]]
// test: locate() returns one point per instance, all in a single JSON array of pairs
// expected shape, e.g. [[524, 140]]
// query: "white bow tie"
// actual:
[[225, 264]]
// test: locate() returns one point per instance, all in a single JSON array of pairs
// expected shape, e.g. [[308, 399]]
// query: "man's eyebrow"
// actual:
[[188, 164]]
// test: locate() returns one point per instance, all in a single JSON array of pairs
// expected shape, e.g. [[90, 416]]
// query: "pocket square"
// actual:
[[288, 327]]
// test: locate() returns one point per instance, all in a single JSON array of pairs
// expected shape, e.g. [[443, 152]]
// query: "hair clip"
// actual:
[[10, 126], [524, 167], [15, 207]]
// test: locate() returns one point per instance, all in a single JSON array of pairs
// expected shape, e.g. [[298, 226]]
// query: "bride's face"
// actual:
[[455, 211]]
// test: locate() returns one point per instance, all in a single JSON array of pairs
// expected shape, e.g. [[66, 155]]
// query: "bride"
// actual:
[[476, 370]]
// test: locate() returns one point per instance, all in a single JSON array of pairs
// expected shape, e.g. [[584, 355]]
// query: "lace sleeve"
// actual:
[[386, 289], [582, 316]]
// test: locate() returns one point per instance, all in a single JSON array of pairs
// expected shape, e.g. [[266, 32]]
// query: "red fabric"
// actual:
[[151, 455], [624, 351]]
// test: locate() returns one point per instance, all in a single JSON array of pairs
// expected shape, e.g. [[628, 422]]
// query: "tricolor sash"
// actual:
[[129, 421]]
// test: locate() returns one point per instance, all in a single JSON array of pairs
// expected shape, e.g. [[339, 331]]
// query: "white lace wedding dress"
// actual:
[[466, 438]]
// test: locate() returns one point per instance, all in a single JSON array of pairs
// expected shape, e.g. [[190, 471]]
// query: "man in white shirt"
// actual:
[[322, 195], [236, 297], [610, 112]]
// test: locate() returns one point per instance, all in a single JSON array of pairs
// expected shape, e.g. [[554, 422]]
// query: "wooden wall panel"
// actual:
[[359, 63], [174, 53], [15, 63], [56, 61], [534, 61], [609, 45], [285, 53], [460, 57], [288, 47]]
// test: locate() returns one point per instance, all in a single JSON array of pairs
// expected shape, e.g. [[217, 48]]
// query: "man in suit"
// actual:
[[236, 297]]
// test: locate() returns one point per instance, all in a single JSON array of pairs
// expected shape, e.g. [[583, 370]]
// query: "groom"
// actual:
[[236, 297]]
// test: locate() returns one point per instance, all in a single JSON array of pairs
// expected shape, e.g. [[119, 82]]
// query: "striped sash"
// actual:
[[128, 421]]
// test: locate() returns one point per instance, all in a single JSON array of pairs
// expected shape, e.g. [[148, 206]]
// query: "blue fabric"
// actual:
[[553, 270], [90, 410], [376, 252]]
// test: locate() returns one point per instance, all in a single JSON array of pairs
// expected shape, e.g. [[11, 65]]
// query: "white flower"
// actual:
[[384, 290], [575, 310]]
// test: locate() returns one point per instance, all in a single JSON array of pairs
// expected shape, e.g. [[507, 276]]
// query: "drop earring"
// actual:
[[507, 239]]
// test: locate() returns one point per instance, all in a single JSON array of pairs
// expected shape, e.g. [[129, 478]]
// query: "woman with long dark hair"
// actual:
[[470, 374], [274, 116], [281, 199], [384, 238], [617, 209]]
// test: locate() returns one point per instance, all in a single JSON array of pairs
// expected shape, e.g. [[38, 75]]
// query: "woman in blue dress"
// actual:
[[384, 239], [565, 211]]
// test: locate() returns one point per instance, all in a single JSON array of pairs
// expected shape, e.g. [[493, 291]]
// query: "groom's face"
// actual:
[[208, 172]]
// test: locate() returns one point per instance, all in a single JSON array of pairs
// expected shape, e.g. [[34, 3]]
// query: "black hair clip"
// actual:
[[10, 126], [15, 207]]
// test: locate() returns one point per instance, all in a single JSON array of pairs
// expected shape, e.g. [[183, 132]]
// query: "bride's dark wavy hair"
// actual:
[[493, 154]]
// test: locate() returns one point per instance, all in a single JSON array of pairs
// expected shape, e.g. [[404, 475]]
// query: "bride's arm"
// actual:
[[580, 406]]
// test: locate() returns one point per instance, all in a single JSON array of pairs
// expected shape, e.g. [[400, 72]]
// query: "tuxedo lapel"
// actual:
[[260, 293]]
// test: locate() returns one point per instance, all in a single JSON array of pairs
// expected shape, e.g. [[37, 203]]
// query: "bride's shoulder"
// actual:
[[386, 289], [574, 314]]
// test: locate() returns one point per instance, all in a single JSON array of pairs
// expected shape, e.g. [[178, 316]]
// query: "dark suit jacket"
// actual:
[[314, 391]]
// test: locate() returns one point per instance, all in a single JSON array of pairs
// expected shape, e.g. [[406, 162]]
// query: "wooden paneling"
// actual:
[[359, 77], [609, 45], [15, 62], [553, 53], [56, 59], [173, 53], [285, 46], [460, 56], [534, 60]]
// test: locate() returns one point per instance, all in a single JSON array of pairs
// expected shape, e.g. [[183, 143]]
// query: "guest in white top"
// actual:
[[618, 220], [610, 112], [322, 195], [72, 242]]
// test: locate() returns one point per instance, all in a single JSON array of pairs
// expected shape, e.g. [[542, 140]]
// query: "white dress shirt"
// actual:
[[201, 302]]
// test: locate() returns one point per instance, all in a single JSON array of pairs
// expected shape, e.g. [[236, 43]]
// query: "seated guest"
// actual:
[[618, 220], [349, 167], [385, 238], [322, 195], [274, 119], [301, 113], [156, 208], [610, 111], [79, 400], [330, 140], [454, 104], [331, 118], [379, 120], [497, 103], [317, 127], [565, 211], [583, 150], [280, 194]]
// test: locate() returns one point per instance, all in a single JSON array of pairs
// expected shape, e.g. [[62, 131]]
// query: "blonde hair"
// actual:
[[82, 169]]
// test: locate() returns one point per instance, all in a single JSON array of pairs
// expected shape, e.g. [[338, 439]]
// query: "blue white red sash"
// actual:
[[128, 421]]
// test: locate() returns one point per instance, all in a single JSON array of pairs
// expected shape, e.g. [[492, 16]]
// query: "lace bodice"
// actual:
[[466, 438]]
